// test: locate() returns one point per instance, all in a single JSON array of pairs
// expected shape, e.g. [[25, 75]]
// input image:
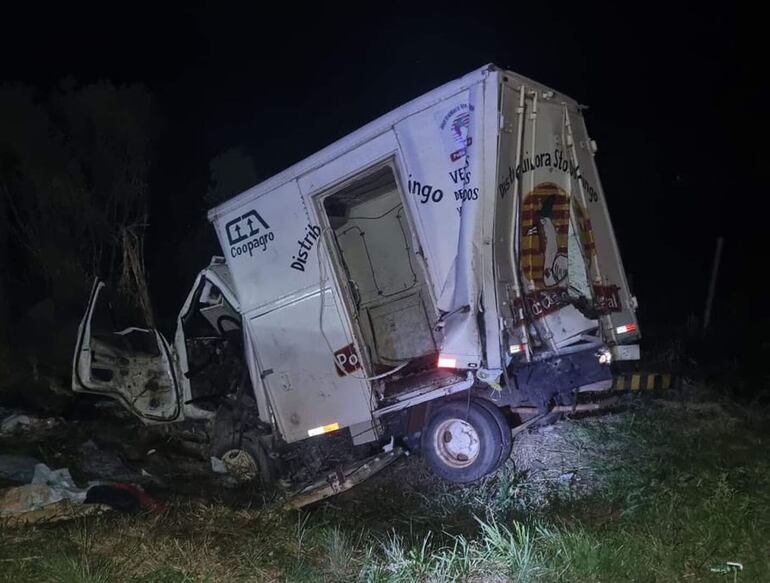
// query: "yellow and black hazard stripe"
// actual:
[[644, 381]]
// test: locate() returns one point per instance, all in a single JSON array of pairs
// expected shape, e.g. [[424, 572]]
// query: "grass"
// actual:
[[680, 487]]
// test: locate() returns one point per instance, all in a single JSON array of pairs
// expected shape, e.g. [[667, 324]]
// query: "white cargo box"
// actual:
[[462, 230]]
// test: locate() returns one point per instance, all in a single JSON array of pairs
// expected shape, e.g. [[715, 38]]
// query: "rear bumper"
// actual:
[[625, 352]]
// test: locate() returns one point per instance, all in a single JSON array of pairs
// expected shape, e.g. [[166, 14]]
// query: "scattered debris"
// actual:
[[17, 468], [16, 423], [554, 456], [123, 497], [53, 495], [218, 466], [48, 487], [98, 462], [59, 482], [19, 498], [727, 567], [342, 479]]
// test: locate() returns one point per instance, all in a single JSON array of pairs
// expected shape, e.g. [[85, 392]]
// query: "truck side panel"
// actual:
[[272, 248], [306, 390]]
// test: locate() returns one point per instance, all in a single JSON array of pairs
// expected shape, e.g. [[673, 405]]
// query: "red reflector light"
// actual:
[[446, 362], [625, 329]]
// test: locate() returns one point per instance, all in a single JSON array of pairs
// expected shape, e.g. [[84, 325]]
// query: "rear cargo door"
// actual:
[[540, 241], [611, 292], [133, 365], [553, 229]]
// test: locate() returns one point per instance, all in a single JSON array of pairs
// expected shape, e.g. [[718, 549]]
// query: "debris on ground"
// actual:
[[555, 456], [17, 468], [106, 464], [18, 506], [728, 567], [218, 466], [48, 487], [128, 498], [53, 495], [14, 423], [59, 483]]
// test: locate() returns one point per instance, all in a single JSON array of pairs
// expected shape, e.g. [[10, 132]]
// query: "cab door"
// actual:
[[134, 365]]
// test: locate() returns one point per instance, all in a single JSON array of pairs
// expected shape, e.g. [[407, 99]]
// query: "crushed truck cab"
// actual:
[[457, 248]]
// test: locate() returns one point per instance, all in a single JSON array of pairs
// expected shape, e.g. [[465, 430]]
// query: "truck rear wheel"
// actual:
[[462, 442], [506, 439]]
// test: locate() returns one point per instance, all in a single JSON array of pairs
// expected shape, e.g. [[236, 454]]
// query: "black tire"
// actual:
[[505, 430], [246, 460], [477, 437], [235, 439]]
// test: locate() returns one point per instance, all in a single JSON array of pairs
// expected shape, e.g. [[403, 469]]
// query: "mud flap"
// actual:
[[344, 478]]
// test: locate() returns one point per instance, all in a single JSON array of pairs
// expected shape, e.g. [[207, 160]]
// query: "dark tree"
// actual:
[[75, 182]]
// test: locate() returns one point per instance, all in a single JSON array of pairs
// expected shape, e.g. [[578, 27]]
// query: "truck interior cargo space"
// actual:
[[376, 249], [214, 345]]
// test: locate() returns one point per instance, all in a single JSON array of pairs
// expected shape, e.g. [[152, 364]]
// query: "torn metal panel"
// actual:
[[342, 479]]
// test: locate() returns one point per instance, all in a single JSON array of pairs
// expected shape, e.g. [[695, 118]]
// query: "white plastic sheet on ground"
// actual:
[[48, 487]]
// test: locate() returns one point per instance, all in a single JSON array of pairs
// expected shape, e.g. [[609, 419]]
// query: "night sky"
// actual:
[[676, 97]]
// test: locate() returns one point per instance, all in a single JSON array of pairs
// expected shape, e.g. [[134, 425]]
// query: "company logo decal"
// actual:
[[248, 233], [455, 127], [426, 192], [544, 236], [299, 260], [607, 298], [347, 360], [558, 160], [545, 220]]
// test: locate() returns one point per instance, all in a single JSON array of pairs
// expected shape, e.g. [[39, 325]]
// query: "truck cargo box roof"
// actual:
[[374, 128]]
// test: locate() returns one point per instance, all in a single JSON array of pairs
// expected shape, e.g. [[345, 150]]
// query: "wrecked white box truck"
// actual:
[[418, 281]]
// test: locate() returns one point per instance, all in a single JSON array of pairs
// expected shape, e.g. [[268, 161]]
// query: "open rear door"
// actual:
[[611, 291], [133, 365], [557, 258]]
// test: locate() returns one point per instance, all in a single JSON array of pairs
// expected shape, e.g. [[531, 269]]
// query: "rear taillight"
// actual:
[[446, 362], [515, 348], [626, 328]]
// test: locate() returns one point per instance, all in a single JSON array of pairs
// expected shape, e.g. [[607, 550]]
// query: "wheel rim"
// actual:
[[457, 443], [240, 464]]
